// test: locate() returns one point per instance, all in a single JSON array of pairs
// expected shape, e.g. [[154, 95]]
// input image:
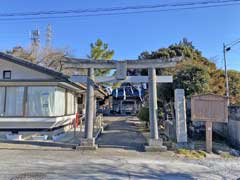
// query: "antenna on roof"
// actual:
[[35, 42]]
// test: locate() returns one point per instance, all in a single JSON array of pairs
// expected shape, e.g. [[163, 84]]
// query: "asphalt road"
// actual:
[[121, 159], [110, 164]]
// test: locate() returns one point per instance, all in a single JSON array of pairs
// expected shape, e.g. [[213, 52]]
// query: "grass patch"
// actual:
[[226, 155], [192, 154]]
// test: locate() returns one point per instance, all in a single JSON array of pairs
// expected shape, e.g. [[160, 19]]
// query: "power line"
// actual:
[[118, 8], [124, 8], [119, 13], [233, 43]]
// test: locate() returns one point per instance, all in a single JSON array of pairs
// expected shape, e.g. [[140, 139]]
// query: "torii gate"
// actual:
[[121, 75]]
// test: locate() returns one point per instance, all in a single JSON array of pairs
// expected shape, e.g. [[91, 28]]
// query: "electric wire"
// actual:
[[80, 13], [181, 4]]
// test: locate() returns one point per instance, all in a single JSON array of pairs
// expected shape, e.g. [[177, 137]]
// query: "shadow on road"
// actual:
[[106, 172]]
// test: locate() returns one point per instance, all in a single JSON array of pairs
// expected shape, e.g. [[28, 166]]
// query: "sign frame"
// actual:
[[214, 109], [209, 107]]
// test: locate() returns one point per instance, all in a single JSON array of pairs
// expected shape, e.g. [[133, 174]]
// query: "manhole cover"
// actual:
[[30, 176]]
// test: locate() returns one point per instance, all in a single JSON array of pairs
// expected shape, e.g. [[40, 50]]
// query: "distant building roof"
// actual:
[[128, 91]]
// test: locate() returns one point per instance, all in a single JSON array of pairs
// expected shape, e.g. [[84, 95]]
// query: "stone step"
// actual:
[[155, 142], [155, 148], [155, 145], [85, 148]]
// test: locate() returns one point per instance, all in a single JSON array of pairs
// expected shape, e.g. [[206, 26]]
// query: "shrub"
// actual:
[[143, 114]]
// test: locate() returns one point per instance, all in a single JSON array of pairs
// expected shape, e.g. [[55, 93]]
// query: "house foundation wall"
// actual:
[[28, 127], [233, 126]]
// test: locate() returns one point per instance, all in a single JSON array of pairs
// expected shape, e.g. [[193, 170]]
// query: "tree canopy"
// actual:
[[193, 77], [20, 52], [51, 58], [100, 51], [234, 86], [194, 73]]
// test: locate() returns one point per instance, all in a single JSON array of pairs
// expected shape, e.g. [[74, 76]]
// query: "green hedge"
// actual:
[[143, 114]]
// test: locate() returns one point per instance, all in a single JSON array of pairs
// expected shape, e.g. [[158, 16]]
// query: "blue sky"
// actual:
[[129, 34]]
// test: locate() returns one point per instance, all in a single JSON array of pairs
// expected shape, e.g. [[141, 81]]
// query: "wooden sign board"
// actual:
[[209, 107]]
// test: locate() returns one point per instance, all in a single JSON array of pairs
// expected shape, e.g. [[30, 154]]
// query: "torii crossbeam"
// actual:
[[121, 75]]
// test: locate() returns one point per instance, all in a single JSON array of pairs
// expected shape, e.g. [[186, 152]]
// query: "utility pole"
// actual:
[[226, 74], [35, 41], [227, 48], [48, 36]]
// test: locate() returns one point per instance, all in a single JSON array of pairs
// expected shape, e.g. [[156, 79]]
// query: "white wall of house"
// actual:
[[43, 122], [20, 72], [34, 106], [46, 107]]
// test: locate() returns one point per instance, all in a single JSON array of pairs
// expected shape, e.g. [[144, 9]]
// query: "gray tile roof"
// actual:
[[23, 62], [33, 66]]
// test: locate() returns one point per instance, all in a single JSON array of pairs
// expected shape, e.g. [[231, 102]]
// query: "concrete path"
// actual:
[[122, 132]]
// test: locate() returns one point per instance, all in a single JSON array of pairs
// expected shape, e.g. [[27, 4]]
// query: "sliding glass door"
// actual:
[[14, 101]]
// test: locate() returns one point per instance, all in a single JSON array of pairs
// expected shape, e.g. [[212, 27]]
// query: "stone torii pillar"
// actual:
[[90, 105], [154, 143], [152, 89], [89, 140]]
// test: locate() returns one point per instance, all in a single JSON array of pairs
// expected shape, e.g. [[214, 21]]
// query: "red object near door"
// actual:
[[77, 120]]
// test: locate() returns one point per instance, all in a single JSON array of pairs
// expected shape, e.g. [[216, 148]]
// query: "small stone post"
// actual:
[[180, 115], [208, 126]]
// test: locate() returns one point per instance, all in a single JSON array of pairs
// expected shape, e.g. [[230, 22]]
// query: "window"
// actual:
[[2, 99], [70, 103], [59, 102], [6, 74], [14, 101], [40, 101], [46, 101]]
